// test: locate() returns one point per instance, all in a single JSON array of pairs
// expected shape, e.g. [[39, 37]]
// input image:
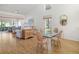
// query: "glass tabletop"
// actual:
[[50, 35]]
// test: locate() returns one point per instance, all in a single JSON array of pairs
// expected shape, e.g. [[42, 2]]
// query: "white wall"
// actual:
[[71, 30]]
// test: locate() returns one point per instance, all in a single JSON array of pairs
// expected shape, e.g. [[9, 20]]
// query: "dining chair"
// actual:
[[41, 42], [56, 40]]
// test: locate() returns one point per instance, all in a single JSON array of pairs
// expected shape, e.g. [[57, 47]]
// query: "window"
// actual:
[[48, 27]]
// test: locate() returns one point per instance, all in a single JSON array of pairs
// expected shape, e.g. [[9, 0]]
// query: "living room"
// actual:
[[52, 28]]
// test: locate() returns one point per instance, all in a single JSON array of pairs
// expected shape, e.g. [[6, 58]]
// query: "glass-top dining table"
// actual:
[[49, 41]]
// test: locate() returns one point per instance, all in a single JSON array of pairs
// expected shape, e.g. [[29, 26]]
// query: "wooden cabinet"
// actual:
[[26, 33]]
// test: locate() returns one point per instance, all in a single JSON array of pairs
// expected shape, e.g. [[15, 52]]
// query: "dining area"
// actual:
[[45, 40], [26, 36]]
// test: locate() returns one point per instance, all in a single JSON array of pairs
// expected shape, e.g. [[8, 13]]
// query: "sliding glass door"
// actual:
[[4, 25]]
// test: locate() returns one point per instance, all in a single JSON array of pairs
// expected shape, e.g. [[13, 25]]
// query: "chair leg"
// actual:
[[59, 44]]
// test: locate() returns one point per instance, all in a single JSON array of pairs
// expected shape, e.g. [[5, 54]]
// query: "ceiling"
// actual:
[[23, 9]]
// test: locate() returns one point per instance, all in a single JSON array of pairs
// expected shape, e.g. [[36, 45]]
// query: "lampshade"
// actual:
[[63, 17]]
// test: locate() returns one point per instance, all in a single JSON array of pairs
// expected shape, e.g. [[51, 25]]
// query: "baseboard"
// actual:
[[71, 39]]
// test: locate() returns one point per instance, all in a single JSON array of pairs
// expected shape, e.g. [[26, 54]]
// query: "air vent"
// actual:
[[48, 7]]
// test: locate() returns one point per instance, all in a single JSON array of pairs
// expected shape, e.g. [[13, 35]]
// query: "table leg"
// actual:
[[49, 45]]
